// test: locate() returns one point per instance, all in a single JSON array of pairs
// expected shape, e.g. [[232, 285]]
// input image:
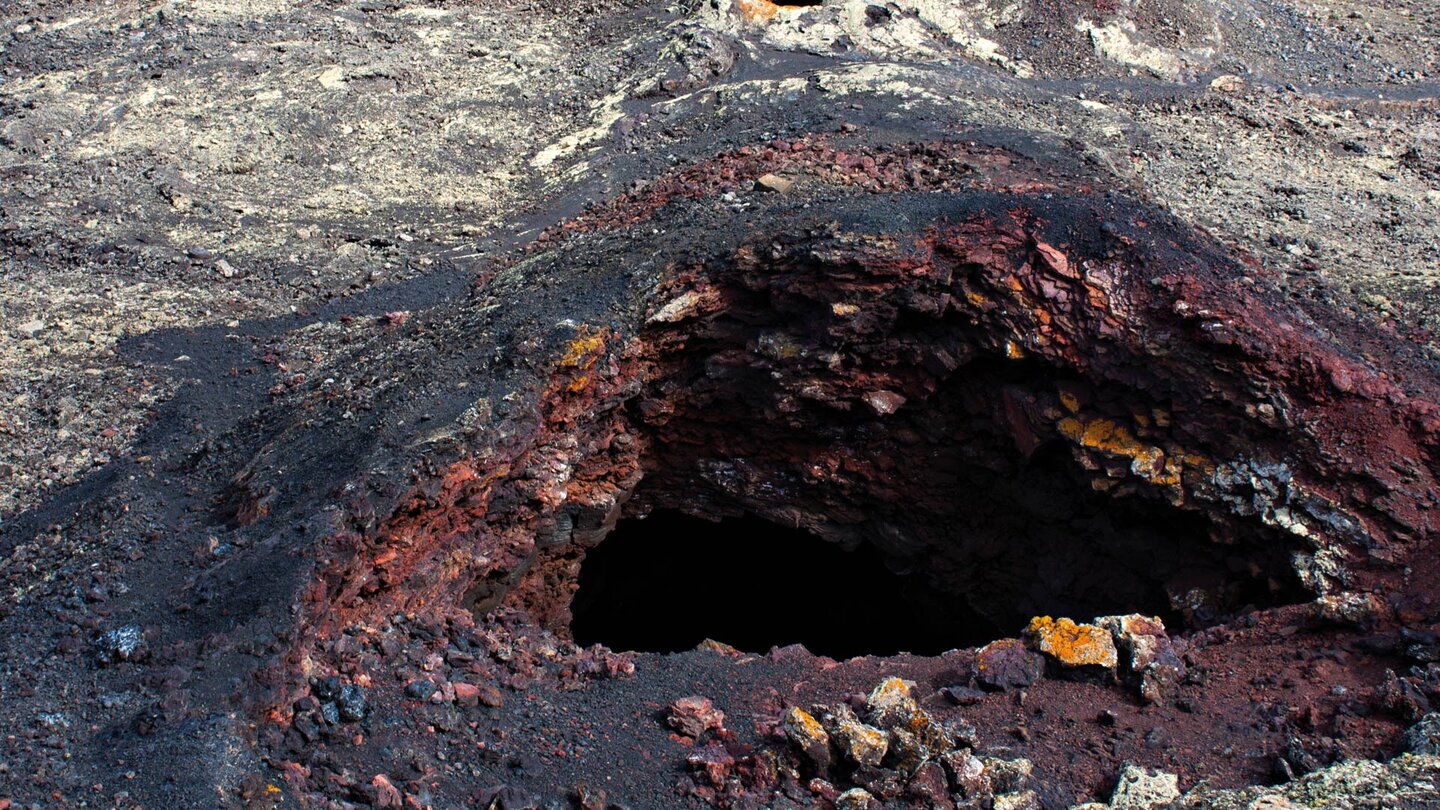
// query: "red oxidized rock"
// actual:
[[693, 716], [1007, 663], [383, 793], [712, 762]]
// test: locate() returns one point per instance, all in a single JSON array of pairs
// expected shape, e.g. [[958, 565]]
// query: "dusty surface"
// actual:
[[314, 316]]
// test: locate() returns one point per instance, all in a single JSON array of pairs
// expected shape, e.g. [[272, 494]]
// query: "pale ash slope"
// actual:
[[181, 164]]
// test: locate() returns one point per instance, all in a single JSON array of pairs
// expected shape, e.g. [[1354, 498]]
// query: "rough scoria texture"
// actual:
[[785, 271]]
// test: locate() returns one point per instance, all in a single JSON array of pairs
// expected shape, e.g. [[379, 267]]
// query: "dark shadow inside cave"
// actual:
[[669, 581], [1011, 546]]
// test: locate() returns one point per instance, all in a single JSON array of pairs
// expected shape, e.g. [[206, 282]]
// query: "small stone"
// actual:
[[890, 703], [718, 647], [589, 797], [1008, 775], [53, 721], [775, 183], [967, 774], [683, 306], [1227, 83], [1007, 664], [854, 799], [1141, 790], [1073, 645], [963, 695], [1024, 800], [352, 702], [1424, 736], [1148, 651], [884, 403], [489, 695], [930, 785], [420, 689], [332, 78], [693, 716], [961, 733], [860, 743], [123, 644], [31, 329], [1359, 610], [806, 734], [225, 269], [199, 253], [890, 706], [907, 752], [466, 694], [885, 784], [713, 762], [383, 793]]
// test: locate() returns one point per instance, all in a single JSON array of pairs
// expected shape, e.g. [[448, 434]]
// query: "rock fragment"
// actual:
[[122, 644], [1023, 800], [693, 716], [352, 702], [31, 329], [1358, 610], [714, 762], [1149, 653], [914, 735], [930, 786], [1008, 775], [775, 183], [383, 793], [859, 743], [967, 774], [1140, 789], [1071, 644], [1424, 736], [806, 734], [1008, 664], [884, 403], [855, 799]]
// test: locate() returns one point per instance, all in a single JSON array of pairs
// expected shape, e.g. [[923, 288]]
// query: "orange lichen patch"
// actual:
[[1113, 439], [757, 10], [582, 352], [1074, 645], [891, 705]]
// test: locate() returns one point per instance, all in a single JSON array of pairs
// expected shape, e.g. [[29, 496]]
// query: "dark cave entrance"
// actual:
[[667, 582], [1012, 545]]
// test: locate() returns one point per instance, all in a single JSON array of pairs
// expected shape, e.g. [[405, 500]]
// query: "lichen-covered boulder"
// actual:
[[1071, 644]]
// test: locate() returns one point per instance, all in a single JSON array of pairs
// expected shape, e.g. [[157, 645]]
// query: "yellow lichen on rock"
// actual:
[[757, 10], [1074, 645], [584, 350], [1114, 439], [806, 733]]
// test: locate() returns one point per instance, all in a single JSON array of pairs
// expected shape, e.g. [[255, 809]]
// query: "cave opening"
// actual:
[[666, 582]]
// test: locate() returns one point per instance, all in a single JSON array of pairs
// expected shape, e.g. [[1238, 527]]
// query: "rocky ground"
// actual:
[[334, 333]]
